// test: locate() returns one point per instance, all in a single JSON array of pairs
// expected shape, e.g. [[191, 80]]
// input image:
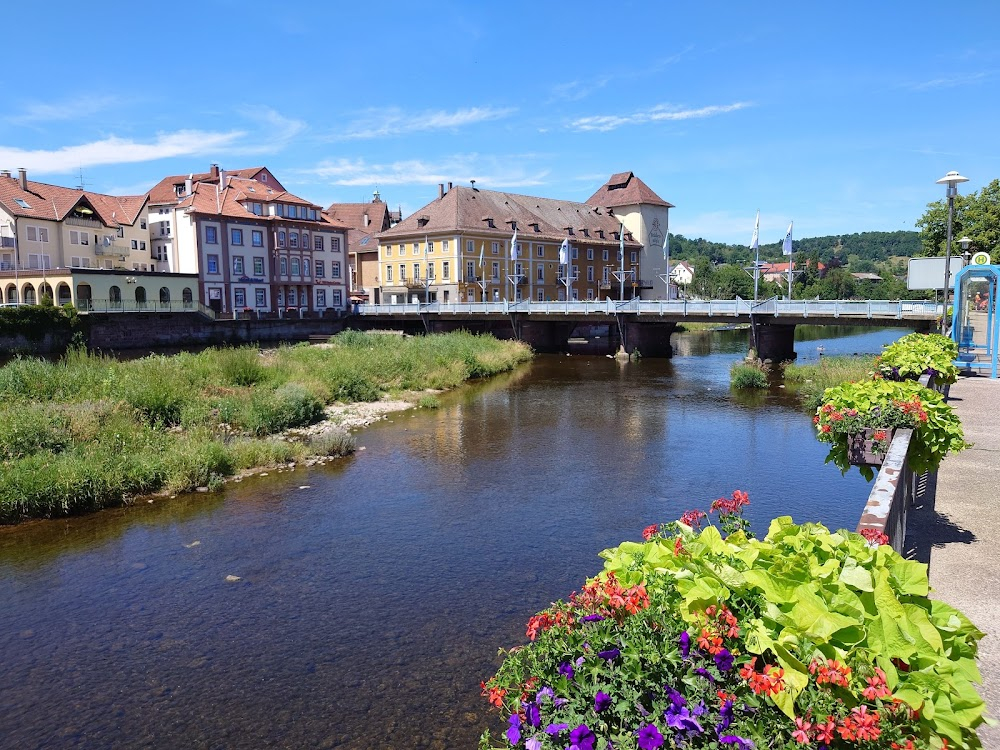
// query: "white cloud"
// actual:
[[71, 109], [949, 82], [489, 172], [659, 113], [115, 150], [395, 121], [573, 91]]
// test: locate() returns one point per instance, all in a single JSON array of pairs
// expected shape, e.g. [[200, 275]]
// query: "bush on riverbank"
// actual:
[[88, 431], [750, 373]]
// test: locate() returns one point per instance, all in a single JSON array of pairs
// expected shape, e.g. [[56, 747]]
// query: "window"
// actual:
[[335, 244], [295, 267], [318, 242], [444, 246], [281, 298], [121, 231], [305, 240], [518, 269], [21, 202], [495, 270], [211, 235], [590, 273], [321, 298], [540, 251], [541, 274], [257, 238], [632, 255], [576, 253], [305, 266], [238, 264], [470, 246], [430, 272], [388, 251], [135, 244], [541, 295], [590, 253], [338, 298], [74, 237], [416, 271], [283, 264], [293, 239], [416, 249], [470, 270], [590, 294], [258, 266], [292, 297], [38, 234], [320, 269], [335, 269], [430, 246], [446, 270], [576, 295], [142, 245], [575, 272], [388, 273], [239, 297], [402, 272], [213, 263], [261, 297], [281, 239], [605, 277], [604, 254], [142, 224]]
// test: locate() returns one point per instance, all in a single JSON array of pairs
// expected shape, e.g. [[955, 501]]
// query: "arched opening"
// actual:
[[64, 295], [11, 293], [140, 295], [84, 296], [45, 290], [187, 296], [164, 296], [115, 296], [29, 295]]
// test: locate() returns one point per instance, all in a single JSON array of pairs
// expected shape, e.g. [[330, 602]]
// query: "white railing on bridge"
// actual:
[[883, 309]]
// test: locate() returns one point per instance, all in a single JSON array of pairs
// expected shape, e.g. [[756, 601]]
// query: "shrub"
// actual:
[[429, 401], [331, 443], [696, 640], [240, 367], [30, 428], [917, 354], [291, 405], [749, 374]]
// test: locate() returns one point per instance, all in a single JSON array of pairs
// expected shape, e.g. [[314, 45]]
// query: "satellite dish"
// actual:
[[107, 242]]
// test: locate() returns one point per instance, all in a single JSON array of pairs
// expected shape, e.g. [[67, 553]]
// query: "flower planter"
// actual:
[[864, 449]]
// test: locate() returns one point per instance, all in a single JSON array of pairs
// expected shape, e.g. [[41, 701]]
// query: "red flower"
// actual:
[[875, 537], [826, 428], [650, 531], [692, 518], [679, 547], [802, 728]]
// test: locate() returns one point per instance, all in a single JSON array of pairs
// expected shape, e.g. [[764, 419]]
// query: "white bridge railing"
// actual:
[[884, 309]]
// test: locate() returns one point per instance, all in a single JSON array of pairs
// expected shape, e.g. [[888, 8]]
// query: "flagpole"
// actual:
[[621, 264]]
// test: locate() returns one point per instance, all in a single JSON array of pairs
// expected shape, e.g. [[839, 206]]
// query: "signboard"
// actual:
[[928, 273], [981, 259]]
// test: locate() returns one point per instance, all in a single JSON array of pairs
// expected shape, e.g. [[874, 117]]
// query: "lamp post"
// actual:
[[966, 255], [952, 180]]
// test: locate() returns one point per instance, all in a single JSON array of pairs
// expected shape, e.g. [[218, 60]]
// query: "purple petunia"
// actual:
[[701, 672], [533, 744], [649, 737], [610, 655], [740, 742], [724, 660], [556, 728], [601, 701], [726, 716], [591, 618], [545, 692], [583, 738], [566, 670], [681, 719], [685, 644], [676, 699], [531, 714], [514, 731]]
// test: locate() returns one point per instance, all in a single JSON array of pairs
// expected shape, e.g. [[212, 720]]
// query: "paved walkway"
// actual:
[[956, 530]]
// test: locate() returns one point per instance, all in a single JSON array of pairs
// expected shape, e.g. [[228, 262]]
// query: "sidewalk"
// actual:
[[955, 528]]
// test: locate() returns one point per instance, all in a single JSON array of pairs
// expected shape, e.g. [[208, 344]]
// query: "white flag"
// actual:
[[786, 246], [756, 231], [564, 252], [666, 247], [482, 251], [513, 245], [621, 244]]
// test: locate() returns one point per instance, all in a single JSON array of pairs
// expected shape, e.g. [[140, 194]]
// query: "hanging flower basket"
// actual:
[[869, 447]]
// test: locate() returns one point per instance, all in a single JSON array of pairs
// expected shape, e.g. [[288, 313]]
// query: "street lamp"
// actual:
[[966, 255], [952, 180]]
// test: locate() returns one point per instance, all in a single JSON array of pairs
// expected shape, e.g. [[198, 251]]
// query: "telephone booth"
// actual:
[[974, 318]]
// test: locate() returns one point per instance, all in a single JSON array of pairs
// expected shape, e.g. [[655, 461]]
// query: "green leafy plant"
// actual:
[[749, 374], [850, 407], [697, 640], [917, 354]]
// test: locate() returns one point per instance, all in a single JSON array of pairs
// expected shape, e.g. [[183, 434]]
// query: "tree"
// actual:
[[977, 215]]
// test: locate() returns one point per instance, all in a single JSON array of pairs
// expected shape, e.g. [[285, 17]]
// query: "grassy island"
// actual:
[[89, 432], [810, 381]]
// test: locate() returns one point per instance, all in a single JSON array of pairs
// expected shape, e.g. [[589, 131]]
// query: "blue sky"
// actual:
[[840, 116]]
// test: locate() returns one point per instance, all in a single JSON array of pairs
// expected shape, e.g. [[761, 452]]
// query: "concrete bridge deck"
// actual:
[[955, 528]]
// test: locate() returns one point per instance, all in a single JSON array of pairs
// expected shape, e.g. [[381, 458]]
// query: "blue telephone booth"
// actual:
[[974, 318]]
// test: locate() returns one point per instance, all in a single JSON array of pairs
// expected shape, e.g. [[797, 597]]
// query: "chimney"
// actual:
[[22, 177], [366, 219], [189, 185], [5, 173], [449, 187], [440, 190], [214, 171], [222, 178]]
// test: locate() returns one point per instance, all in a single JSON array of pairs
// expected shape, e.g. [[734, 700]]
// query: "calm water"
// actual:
[[374, 593]]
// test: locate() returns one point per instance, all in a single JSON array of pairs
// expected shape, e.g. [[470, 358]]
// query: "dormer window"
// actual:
[[586, 232], [489, 222], [600, 233], [569, 231], [423, 221], [534, 225]]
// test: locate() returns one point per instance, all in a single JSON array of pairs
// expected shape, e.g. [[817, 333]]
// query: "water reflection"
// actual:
[[358, 604]]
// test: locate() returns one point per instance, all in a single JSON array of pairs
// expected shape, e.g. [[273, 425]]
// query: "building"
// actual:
[[647, 216], [682, 273], [366, 220], [255, 246], [778, 272], [458, 249], [79, 247]]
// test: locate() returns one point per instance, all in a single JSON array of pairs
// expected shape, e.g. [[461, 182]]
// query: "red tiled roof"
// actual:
[[464, 209], [625, 189], [165, 191], [206, 199], [353, 214], [54, 203]]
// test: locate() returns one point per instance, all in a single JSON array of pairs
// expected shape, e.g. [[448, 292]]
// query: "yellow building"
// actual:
[[458, 249]]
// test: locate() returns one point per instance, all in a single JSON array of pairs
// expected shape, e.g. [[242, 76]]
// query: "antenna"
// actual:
[[82, 184]]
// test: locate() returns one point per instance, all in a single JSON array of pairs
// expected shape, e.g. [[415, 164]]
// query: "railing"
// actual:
[[112, 249], [851, 309], [78, 222], [131, 306]]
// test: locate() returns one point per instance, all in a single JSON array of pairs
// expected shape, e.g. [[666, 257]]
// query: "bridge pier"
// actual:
[[774, 341], [650, 339]]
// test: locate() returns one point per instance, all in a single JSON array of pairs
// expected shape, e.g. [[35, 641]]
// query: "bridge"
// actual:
[[646, 325]]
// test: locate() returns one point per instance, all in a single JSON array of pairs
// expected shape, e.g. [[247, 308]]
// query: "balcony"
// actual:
[[78, 222], [414, 283], [113, 249]]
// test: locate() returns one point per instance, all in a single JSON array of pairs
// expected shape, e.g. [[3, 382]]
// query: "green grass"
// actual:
[[89, 432], [749, 375], [809, 381]]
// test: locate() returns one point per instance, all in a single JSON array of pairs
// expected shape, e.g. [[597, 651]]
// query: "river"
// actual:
[[374, 592]]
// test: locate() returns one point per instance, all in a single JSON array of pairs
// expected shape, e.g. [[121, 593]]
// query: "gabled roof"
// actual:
[[55, 203], [353, 214], [165, 191], [491, 212], [625, 189]]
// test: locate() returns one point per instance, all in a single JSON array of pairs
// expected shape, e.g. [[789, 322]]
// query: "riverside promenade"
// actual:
[[955, 529]]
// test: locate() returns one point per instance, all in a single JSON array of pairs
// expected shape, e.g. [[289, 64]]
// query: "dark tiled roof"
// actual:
[[625, 189], [353, 215], [54, 203], [469, 210]]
